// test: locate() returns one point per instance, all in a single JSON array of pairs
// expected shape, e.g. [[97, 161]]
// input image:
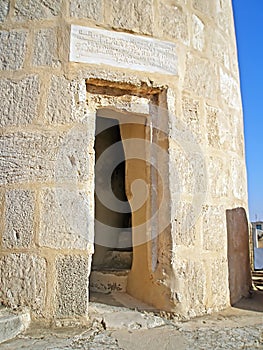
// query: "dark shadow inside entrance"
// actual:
[[113, 217]]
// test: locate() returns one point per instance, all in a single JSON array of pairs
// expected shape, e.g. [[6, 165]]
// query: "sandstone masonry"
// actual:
[[48, 113]]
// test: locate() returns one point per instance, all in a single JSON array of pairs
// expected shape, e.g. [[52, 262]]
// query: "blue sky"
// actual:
[[249, 32]]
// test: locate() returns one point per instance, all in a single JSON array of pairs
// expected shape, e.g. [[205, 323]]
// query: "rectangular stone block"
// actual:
[[60, 101], [92, 9], [19, 101], [195, 287], [237, 135], [19, 219], [12, 49], [133, 15], [230, 90], [187, 166], [173, 21], [206, 7], [200, 77], [37, 9], [219, 47], [29, 156], [4, 8], [107, 282], [220, 128], [193, 119], [218, 186], [214, 228], [75, 157], [46, 156], [72, 285], [219, 284], [183, 224], [66, 103], [45, 48], [192, 281], [198, 38], [65, 221], [224, 17], [238, 179], [23, 281], [122, 50]]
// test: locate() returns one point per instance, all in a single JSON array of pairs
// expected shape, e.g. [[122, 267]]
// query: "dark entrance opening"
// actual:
[[113, 217]]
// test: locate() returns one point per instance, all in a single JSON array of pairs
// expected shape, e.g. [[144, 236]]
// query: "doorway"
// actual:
[[113, 216], [130, 177]]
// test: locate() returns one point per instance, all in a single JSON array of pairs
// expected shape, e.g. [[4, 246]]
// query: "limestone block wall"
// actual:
[[47, 156]]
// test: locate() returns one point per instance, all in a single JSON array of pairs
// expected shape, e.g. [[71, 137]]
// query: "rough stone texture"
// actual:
[[91, 9], [4, 8], [219, 48], [45, 48], [224, 17], [75, 157], [188, 167], [23, 281], [238, 176], [219, 284], [64, 219], [45, 156], [192, 117], [198, 74], [2, 212], [219, 186], [212, 126], [37, 9], [184, 224], [237, 137], [134, 15], [72, 285], [19, 100], [193, 279], [198, 33], [173, 21], [19, 216], [219, 128], [59, 103], [12, 324], [238, 254], [229, 89], [131, 320], [29, 156], [206, 7], [202, 333], [108, 281], [47, 144], [214, 228], [12, 49]]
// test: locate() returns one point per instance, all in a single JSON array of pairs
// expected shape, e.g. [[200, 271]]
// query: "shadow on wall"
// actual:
[[240, 280]]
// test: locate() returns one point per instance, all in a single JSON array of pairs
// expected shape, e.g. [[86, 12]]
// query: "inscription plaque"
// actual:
[[98, 46]]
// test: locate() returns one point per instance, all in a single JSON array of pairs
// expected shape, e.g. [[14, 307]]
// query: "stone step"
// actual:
[[107, 281], [12, 323], [118, 260], [114, 260]]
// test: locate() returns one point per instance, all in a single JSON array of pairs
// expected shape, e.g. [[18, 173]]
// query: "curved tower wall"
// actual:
[[49, 98]]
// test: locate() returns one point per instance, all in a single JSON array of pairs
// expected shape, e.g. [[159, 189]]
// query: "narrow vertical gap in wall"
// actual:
[[113, 217]]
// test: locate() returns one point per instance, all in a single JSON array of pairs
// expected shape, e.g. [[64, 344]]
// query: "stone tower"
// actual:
[[121, 129]]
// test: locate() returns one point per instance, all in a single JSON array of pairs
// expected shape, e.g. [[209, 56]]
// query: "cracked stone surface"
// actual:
[[117, 327]]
